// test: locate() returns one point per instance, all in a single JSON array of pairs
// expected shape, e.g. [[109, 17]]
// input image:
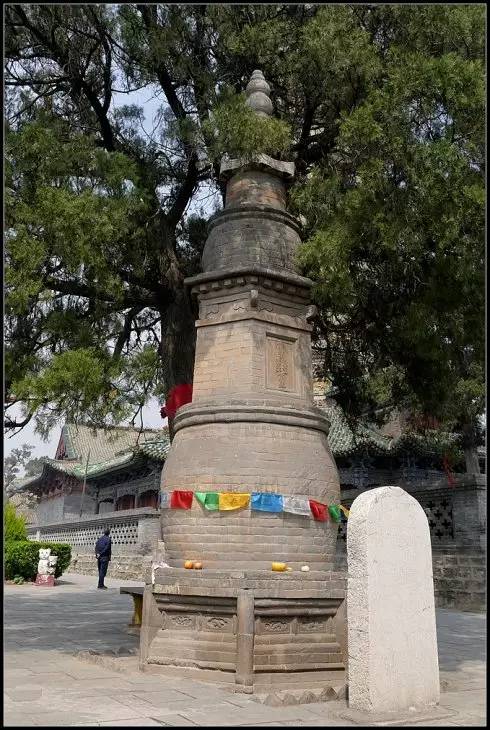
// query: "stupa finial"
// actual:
[[258, 98]]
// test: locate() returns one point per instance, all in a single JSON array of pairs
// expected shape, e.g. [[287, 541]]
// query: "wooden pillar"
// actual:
[[245, 641]]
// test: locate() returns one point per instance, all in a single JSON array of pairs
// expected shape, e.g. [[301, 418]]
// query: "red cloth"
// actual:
[[180, 500], [177, 397], [447, 469], [318, 510]]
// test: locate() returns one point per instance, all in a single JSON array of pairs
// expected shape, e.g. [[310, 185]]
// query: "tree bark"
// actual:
[[178, 344], [471, 459]]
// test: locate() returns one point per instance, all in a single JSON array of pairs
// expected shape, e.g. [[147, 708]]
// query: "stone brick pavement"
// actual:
[[47, 685]]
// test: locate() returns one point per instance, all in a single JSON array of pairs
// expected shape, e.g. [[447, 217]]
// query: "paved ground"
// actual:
[[46, 685]]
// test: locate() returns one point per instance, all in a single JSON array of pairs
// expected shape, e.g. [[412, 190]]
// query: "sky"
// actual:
[[151, 412]]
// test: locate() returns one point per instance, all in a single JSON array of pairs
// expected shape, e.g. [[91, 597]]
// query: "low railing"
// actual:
[[132, 531]]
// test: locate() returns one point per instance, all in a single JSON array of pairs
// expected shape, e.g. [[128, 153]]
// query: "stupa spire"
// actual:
[[258, 95]]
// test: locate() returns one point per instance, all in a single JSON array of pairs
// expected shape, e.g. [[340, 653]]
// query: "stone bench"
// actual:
[[137, 594]]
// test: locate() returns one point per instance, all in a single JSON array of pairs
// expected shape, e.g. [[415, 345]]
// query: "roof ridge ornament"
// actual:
[[258, 95]]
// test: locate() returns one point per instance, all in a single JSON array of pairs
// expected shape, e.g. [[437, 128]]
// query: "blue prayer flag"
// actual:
[[266, 502]]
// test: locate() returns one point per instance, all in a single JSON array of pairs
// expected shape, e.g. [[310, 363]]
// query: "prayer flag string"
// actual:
[[258, 501]]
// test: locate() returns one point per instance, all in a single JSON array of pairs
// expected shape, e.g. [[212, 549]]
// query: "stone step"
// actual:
[[295, 578], [269, 680], [166, 660], [293, 648], [295, 696], [313, 639]]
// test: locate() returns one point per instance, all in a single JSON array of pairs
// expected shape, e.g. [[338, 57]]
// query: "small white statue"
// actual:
[[47, 562], [43, 565]]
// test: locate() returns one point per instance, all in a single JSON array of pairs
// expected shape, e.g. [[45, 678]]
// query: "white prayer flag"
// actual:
[[296, 505], [164, 500]]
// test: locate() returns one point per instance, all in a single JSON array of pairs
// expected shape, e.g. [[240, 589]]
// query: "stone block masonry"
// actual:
[[126, 567], [252, 426]]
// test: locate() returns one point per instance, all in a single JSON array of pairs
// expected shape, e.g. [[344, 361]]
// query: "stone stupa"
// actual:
[[252, 427]]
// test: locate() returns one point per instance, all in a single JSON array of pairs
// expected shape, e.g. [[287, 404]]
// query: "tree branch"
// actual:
[[185, 192], [125, 332], [84, 290]]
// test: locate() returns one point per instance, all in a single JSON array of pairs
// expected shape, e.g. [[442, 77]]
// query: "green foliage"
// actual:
[[35, 466], [72, 203], [22, 558], [19, 580], [239, 132], [13, 463], [380, 106], [14, 525], [396, 230]]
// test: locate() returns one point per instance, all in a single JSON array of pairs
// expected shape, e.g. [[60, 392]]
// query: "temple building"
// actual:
[[116, 465]]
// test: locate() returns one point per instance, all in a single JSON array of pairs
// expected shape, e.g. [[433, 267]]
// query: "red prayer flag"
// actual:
[[177, 397], [180, 499], [318, 510]]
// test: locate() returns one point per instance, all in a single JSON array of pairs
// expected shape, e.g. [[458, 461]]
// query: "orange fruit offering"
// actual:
[[189, 564], [197, 566]]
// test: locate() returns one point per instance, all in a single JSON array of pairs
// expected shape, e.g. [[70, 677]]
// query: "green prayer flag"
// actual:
[[334, 512], [209, 500]]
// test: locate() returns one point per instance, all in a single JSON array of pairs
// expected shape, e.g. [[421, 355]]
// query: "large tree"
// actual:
[[385, 106], [13, 463]]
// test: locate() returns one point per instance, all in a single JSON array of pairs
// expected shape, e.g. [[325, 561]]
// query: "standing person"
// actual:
[[103, 554]]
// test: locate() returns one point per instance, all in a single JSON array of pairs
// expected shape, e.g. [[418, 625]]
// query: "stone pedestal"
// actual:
[[44, 580], [252, 427], [258, 632]]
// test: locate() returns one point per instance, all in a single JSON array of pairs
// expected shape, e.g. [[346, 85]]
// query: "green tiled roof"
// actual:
[[152, 444], [157, 449], [103, 444], [345, 441], [78, 470]]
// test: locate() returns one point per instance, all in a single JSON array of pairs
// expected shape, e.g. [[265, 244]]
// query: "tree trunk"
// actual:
[[178, 344], [471, 459]]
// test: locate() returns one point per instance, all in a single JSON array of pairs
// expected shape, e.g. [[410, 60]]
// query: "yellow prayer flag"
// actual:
[[233, 500], [344, 510]]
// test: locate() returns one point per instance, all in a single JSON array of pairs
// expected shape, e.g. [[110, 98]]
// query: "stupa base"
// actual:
[[280, 636]]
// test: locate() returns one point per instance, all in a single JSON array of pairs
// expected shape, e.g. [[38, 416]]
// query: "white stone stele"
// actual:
[[392, 644]]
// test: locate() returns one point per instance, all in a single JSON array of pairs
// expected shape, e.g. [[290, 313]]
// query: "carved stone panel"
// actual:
[[274, 625], [311, 624], [217, 623], [179, 621], [280, 364]]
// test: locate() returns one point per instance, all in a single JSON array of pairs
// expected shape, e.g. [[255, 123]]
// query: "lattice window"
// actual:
[[122, 533], [440, 516]]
